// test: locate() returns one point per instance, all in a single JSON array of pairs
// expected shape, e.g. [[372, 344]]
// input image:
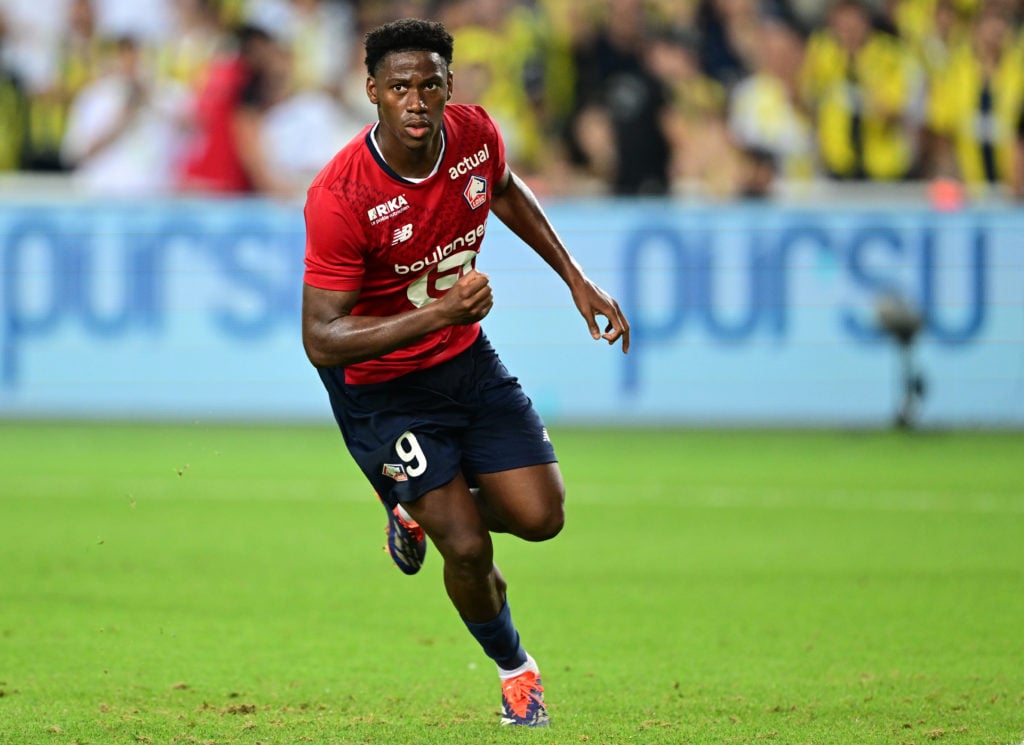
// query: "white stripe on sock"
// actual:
[[530, 664]]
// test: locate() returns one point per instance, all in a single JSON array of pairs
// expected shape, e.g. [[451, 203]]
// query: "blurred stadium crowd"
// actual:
[[625, 97]]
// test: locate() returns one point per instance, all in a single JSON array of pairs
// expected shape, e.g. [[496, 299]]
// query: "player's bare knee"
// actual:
[[543, 524], [469, 554]]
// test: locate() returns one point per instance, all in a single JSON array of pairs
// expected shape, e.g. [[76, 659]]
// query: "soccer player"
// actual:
[[391, 311]]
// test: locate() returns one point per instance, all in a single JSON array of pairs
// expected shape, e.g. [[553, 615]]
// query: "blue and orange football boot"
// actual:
[[407, 543], [522, 701]]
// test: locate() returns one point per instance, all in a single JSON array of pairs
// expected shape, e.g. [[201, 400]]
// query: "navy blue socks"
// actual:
[[500, 639]]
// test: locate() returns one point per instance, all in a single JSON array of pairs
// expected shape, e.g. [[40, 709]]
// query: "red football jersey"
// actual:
[[403, 244]]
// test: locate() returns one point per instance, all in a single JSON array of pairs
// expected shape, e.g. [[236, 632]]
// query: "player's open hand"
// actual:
[[592, 302], [469, 300]]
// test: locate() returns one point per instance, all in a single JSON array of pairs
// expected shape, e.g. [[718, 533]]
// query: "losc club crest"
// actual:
[[395, 471], [475, 191]]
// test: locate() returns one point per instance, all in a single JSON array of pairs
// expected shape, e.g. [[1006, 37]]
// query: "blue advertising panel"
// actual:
[[739, 314]]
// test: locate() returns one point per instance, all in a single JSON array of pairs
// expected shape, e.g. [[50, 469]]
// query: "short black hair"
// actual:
[[407, 35]]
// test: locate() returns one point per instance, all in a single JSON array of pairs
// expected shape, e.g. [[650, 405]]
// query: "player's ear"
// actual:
[[451, 79], [371, 89]]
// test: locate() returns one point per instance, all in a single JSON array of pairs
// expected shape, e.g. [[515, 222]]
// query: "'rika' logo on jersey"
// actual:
[[468, 163], [388, 209], [475, 191]]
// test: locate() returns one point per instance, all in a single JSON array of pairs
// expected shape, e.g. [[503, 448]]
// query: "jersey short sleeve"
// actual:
[[334, 250]]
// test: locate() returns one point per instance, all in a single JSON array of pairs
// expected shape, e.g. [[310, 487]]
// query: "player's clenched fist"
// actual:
[[469, 300]]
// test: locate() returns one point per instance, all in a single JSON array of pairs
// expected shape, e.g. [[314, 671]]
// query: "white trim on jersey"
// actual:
[[437, 166]]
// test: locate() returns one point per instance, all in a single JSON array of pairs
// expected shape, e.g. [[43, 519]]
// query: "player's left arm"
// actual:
[[516, 205]]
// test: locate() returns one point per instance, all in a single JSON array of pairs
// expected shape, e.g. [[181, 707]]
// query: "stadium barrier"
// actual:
[[741, 314]]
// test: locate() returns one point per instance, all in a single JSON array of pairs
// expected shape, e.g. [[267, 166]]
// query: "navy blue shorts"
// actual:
[[415, 433]]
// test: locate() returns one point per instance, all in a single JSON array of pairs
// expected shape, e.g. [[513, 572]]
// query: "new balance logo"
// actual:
[[402, 234]]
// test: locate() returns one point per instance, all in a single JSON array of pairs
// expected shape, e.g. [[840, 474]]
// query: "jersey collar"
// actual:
[[371, 142]]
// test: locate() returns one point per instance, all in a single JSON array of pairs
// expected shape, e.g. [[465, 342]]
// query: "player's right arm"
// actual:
[[332, 336]]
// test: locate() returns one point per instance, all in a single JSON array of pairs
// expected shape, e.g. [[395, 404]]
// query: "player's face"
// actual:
[[410, 91]]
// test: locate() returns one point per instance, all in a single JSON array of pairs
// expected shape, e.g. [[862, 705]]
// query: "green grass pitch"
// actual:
[[226, 584]]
